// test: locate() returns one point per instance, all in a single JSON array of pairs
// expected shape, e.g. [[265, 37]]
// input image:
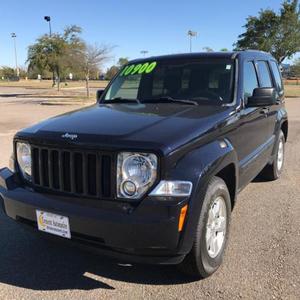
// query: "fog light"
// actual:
[[129, 188]]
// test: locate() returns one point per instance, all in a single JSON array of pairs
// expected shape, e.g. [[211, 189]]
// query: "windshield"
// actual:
[[208, 81]]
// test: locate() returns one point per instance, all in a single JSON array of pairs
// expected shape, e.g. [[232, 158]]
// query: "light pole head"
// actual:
[[144, 52], [13, 35], [47, 18], [192, 33]]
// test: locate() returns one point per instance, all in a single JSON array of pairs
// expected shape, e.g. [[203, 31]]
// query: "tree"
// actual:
[[56, 53], [7, 72], [122, 61], [23, 72], [295, 68], [278, 34], [224, 50], [111, 72], [208, 49], [47, 54], [92, 57], [75, 46]]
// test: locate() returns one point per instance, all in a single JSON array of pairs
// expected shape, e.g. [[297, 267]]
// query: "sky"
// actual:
[[158, 26]]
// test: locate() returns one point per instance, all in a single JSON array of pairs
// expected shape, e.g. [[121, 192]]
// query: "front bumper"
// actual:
[[146, 233]]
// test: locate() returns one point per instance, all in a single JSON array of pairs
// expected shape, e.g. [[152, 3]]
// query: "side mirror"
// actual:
[[262, 97], [99, 94]]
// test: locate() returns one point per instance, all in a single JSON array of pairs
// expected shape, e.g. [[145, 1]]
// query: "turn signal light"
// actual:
[[182, 217]]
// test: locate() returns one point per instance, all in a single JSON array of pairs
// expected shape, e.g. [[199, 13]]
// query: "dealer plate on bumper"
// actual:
[[54, 224]]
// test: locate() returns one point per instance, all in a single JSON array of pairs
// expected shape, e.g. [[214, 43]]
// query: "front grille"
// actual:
[[82, 173]]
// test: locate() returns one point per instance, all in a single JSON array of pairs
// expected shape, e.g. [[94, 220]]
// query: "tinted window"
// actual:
[[264, 74], [207, 81], [277, 75], [250, 79], [127, 88]]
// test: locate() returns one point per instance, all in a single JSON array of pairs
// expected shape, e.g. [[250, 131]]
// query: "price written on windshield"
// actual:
[[146, 68]]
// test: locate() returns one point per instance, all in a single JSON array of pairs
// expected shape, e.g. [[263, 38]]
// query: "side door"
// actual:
[[254, 130], [278, 85], [266, 80]]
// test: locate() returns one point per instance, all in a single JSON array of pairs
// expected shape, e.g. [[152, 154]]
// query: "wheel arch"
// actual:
[[198, 166], [285, 129], [228, 174]]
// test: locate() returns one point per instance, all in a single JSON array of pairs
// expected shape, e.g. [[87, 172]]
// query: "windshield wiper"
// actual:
[[168, 99], [121, 100]]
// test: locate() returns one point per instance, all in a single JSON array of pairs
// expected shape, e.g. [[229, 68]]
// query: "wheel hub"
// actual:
[[280, 155], [216, 227]]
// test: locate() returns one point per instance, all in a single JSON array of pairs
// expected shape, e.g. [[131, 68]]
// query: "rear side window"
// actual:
[[264, 74], [250, 79], [277, 75]]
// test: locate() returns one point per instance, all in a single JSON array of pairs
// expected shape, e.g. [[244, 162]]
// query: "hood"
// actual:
[[139, 126]]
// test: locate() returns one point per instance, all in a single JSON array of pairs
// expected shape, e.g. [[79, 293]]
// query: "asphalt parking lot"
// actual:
[[262, 259]]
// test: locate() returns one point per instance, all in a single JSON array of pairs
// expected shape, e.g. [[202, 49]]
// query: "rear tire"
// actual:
[[274, 170], [209, 245]]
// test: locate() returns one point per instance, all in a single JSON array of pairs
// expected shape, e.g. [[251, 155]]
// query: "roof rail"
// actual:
[[255, 50]]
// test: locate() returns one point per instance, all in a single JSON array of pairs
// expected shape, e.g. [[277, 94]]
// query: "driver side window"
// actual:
[[250, 79]]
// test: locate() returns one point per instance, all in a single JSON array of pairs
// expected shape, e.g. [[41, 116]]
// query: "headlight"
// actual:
[[136, 174], [24, 159]]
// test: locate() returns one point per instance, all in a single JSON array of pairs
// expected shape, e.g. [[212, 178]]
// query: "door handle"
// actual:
[[265, 111]]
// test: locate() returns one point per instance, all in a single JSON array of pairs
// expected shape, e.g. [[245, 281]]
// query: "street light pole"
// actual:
[[13, 35], [191, 34], [48, 19]]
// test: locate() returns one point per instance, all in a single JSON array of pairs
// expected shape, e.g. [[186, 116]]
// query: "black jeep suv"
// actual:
[[150, 173]]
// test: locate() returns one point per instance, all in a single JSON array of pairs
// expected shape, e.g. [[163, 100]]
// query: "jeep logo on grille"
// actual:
[[69, 136]]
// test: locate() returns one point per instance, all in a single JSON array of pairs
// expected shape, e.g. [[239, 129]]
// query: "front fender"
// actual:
[[281, 117], [198, 166]]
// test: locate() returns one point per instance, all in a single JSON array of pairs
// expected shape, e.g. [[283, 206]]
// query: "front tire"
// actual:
[[212, 232]]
